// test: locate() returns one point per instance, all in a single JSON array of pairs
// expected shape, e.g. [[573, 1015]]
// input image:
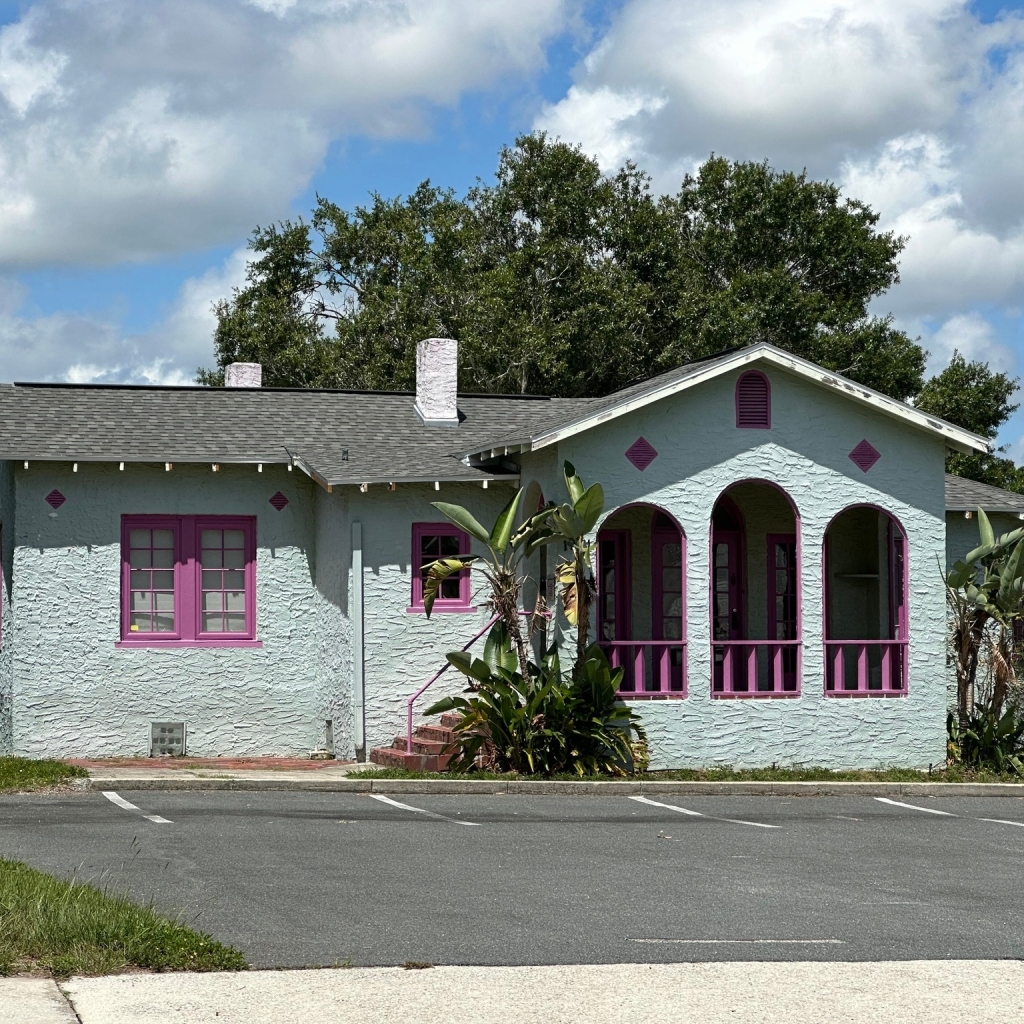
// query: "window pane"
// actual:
[[141, 601], [234, 600], [212, 579], [212, 622], [234, 623], [449, 546], [140, 559], [163, 558], [163, 602], [139, 538], [139, 579], [163, 579], [140, 623], [212, 538], [450, 588], [212, 559], [233, 580], [672, 629], [234, 559], [163, 538], [430, 547], [213, 601], [163, 623], [671, 554], [671, 580], [234, 538], [672, 604]]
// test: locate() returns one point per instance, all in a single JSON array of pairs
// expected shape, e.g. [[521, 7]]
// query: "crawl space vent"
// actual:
[[167, 738]]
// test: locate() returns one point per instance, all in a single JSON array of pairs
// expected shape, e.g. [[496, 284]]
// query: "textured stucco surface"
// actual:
[[75, 693], [701, 453], [404, 649], [6, 608]]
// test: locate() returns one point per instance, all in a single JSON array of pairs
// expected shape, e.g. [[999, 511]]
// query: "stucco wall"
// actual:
[[807, 453], [6, 607], [77, 694], [404, 649]]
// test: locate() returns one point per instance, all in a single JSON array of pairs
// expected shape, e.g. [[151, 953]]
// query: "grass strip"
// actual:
[[60, 928], [25, 773], [951, 775]]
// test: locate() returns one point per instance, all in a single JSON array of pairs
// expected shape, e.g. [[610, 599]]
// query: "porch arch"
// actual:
[[865, 577], [755, 591], [640, 610]]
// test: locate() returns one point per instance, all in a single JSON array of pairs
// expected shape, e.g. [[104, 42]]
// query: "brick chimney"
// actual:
[[437, 381], [243, 375]]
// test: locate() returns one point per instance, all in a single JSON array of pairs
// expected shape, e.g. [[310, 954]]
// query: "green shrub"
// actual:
[[988, 740], [545, 723]]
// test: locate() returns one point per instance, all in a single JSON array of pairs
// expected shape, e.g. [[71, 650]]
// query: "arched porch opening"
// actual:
[[755, 592], [640, 611], [866, 632]]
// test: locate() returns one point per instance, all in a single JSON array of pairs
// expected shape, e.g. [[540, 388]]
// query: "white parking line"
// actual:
[[419, 810], [1003, 821], [697, 814], [121, 802], [914, 807], [746, 942]]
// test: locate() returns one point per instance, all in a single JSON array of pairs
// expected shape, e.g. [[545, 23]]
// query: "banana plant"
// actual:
[[573, 523], [984, 589], [507, 546]]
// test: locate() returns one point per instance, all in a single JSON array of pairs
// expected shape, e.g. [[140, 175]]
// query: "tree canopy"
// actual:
[[558, 279]]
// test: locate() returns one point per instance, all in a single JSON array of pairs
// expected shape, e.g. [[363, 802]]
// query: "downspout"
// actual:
[[358, 673]]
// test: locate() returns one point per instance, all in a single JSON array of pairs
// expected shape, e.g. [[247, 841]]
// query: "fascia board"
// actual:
[[955, 437]]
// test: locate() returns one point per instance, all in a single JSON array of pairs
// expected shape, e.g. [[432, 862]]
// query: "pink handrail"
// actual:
[[441, 671], [430, 682]]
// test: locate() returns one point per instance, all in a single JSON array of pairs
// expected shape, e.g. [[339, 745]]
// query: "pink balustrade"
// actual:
[[652, 669], [756, 668], [862, 668]]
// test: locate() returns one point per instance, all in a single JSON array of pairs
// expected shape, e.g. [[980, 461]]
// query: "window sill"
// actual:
[[441, 609], [756, 696], [629, 695], [866, 693], [241, 642]]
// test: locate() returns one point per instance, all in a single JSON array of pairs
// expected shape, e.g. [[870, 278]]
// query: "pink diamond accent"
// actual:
[[279, 501], [641, 453], [864, 455], [55, 499]]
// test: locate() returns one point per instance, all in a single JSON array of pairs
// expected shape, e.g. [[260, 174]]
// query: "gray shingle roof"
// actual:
[[339, 436], [964, 495]]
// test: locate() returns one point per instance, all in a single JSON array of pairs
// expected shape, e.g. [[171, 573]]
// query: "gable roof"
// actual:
[[337, 437], [963, 495], [602, 410]]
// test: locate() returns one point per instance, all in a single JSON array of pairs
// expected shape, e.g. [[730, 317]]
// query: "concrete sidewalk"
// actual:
[[909, 992]]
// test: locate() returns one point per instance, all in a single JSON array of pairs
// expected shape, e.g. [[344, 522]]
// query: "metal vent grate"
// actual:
[[641, 453], [279, 501], [167, 739], [753, 401], [55, 499], [864, 456]]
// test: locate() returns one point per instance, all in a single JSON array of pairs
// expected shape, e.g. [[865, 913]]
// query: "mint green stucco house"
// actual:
[[237, 570]]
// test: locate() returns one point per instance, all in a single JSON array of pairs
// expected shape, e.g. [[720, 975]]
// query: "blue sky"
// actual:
[[142, 141]]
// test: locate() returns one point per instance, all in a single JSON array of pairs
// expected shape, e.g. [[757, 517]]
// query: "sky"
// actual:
[[141, 141]]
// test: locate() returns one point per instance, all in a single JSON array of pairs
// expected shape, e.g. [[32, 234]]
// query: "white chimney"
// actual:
[[437, 381], [243, 375]]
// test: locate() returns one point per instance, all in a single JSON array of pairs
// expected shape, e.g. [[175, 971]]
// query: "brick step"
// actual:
[[435, 733], [420, 745], [450, 719], [392, 758]]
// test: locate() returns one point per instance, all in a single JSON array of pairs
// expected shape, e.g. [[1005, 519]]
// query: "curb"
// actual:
[[499, 787]]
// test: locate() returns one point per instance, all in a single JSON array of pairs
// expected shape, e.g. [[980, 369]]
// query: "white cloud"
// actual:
[[95, 349], [974, 337], [130, 130]]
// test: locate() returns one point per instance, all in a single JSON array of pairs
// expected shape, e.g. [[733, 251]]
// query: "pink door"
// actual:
[[782, 600], [726, 596], [667, 600]]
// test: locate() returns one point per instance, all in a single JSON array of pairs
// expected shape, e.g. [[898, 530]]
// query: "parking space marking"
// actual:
[[697, 814], [914, 807], [746, 942], [1003, 821], [420, 810], [125, 805]]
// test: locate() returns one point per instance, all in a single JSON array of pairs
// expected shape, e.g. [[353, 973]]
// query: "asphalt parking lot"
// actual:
[[308, 879]]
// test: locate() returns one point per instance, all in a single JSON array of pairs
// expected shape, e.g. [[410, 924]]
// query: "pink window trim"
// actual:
[[443, 604], [762, 420], [901, 645], [188, 582]]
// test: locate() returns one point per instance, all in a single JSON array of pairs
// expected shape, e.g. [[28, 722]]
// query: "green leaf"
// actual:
[[589, 505], [502, 532], [573, 484], [498, 651], [463, 519], [985, 530], [438, 572]]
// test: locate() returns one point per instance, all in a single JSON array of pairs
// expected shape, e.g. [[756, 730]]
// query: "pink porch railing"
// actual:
[[756, 668], [855, 668], [652, 669]]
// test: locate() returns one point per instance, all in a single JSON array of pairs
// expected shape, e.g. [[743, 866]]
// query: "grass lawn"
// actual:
[[954, 774], [24, 773], [48, 926]]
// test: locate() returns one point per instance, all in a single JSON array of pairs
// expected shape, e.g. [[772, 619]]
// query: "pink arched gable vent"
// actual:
[[753, 401]]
